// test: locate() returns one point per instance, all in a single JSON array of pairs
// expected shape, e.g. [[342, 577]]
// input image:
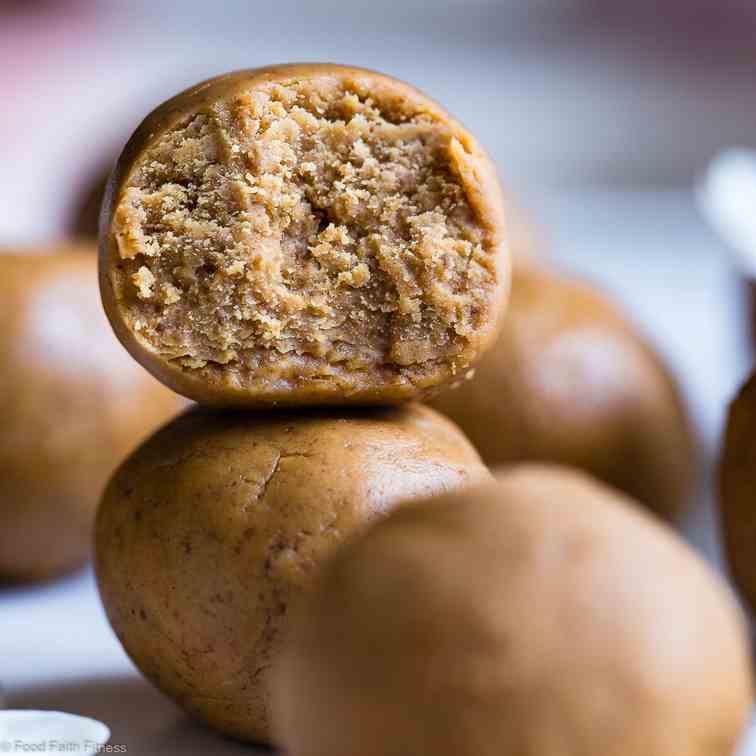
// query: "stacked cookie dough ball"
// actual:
[[311, 557], [302, 250]]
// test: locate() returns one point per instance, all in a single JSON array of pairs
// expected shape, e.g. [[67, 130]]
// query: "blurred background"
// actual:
[[565, 93], [600, 114]]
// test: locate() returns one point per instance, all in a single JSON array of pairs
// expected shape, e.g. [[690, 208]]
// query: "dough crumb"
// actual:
[[144, 280]]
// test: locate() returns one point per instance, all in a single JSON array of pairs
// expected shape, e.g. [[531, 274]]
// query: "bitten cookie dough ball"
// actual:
[[73, 404], [738, 491], [570, 381], [541, 614], [304, 234], [210, 530]]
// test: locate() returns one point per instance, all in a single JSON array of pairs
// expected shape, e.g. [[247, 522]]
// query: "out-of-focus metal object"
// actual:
[[727, 199]]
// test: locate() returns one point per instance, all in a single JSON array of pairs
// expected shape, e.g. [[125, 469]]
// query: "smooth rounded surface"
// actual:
[[73, 404], [738, 491], [303, 234], [539, 614], [571, 382], [210, 530]]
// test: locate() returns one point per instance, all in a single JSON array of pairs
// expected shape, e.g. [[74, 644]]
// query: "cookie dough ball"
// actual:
[[303, 234], [73, 404], [210, 530], [570, 381], [541, 614], [738, 491]]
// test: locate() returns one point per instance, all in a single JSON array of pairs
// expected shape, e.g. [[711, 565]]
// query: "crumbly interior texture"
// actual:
[[304, 231]]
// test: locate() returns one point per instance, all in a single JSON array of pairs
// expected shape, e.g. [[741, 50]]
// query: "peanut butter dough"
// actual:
[[304, 234], [539, 615], [72, 405], [210, 530], [571, 381]]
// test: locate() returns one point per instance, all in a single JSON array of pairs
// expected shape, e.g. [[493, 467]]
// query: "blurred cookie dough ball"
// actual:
[[216, 524], [73, 404], [304, 235], [738, 491], [570, 381], [539, 614]]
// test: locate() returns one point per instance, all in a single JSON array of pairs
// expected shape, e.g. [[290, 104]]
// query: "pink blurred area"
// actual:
[[34, 34], [38, 41], [564, 93]]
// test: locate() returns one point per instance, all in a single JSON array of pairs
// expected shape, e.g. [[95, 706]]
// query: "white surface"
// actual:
[[650, 249], [57, 652], [58, 730]]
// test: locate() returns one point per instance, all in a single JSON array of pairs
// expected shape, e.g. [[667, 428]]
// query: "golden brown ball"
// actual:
[[570, 381], [539, 614], [72, 406], [210, 530], [304, 234]]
